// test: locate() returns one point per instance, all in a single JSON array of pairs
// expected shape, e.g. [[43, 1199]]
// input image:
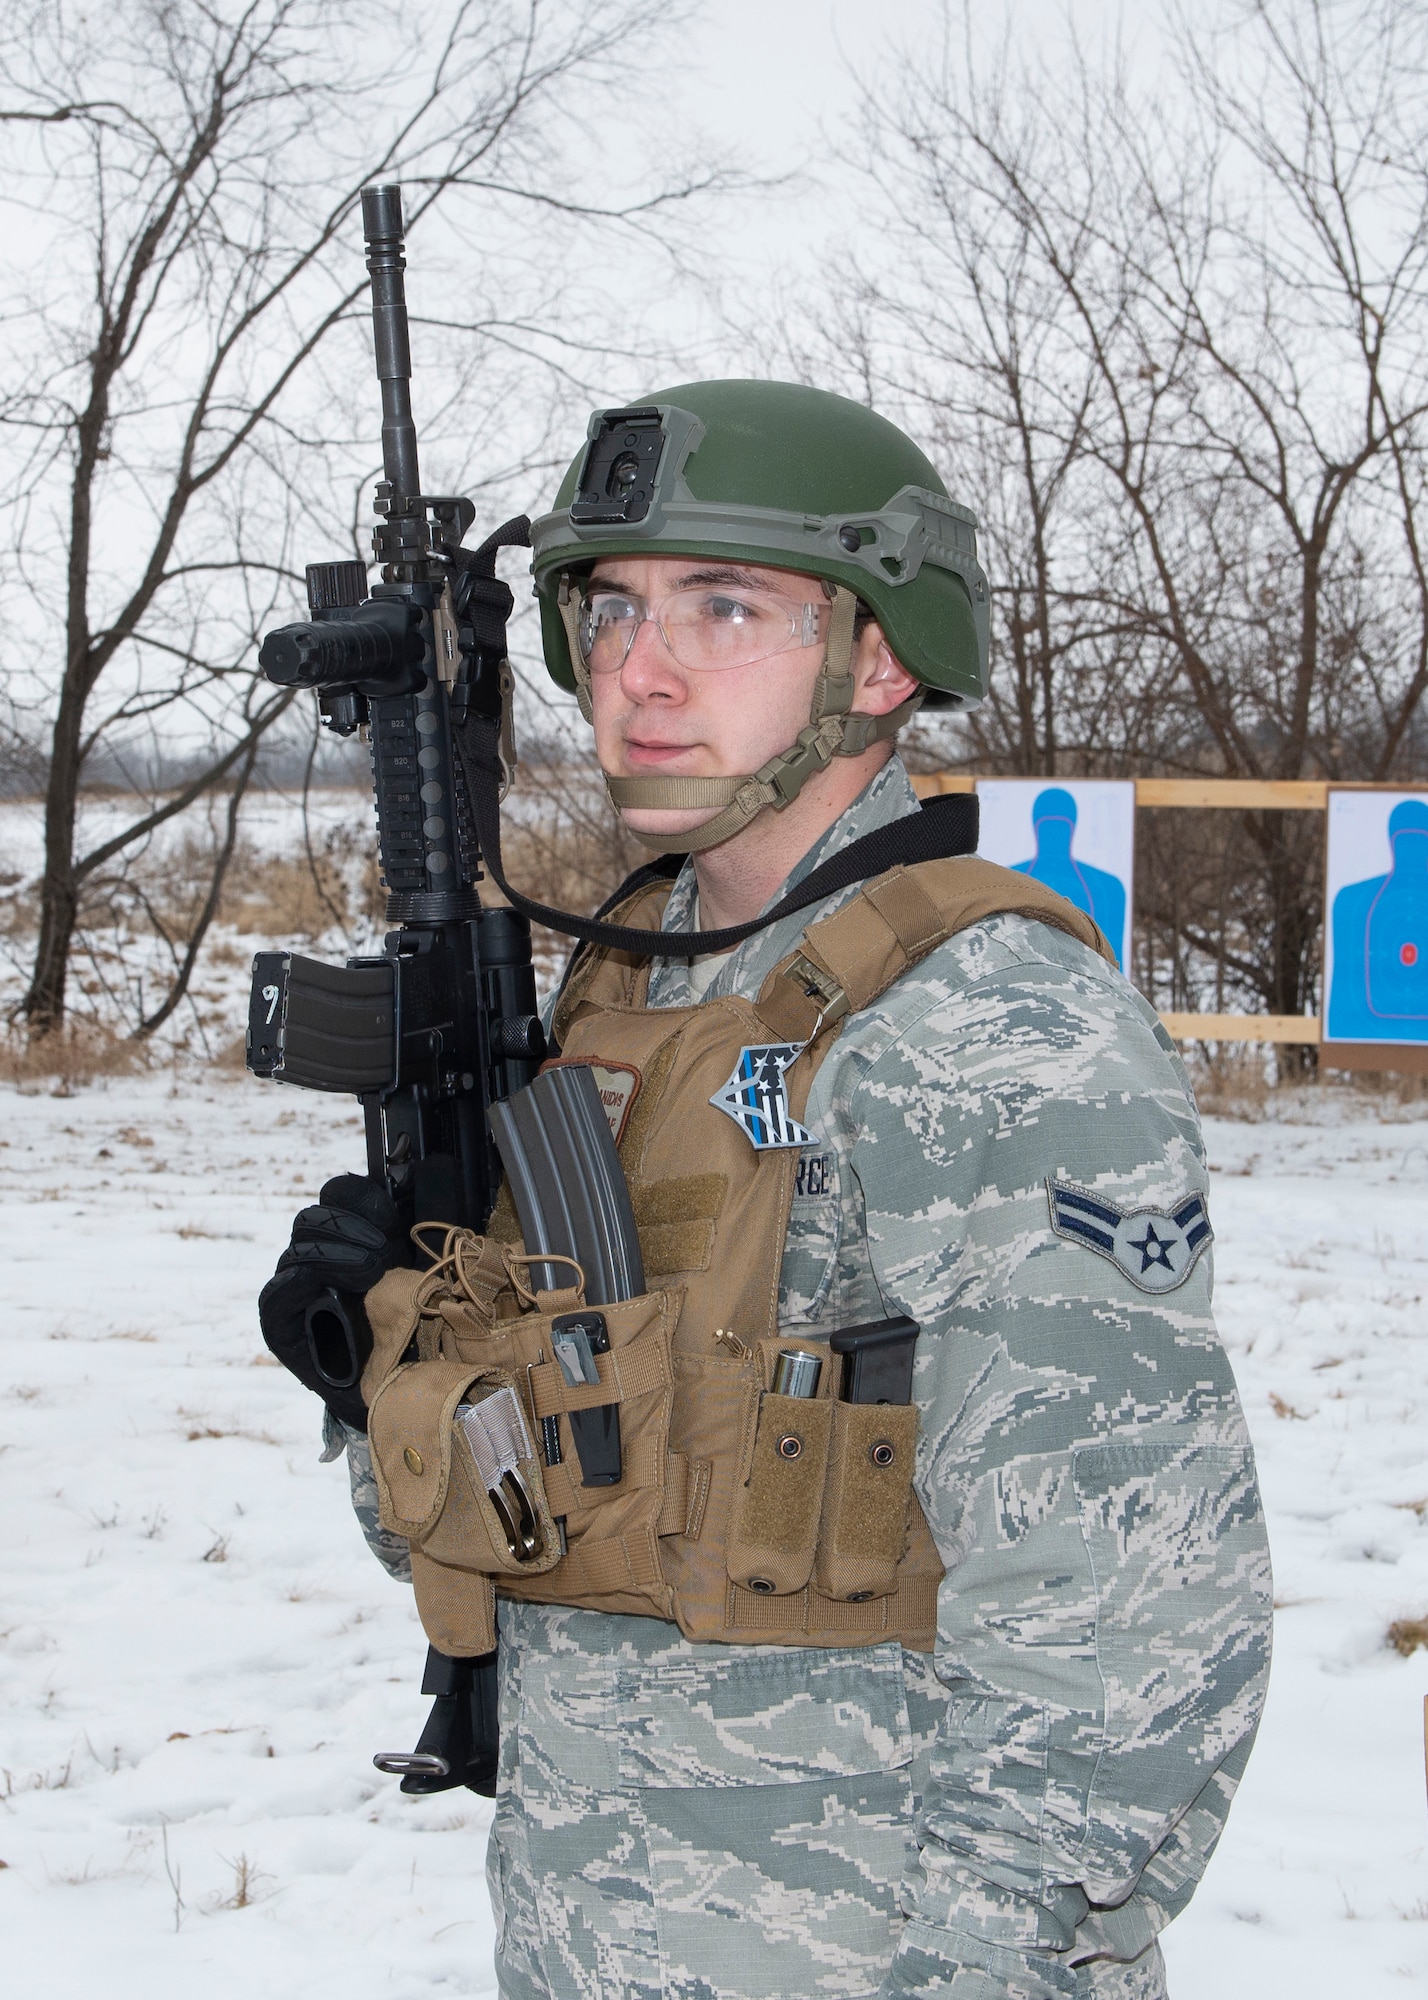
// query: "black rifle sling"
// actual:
[[944, 827]]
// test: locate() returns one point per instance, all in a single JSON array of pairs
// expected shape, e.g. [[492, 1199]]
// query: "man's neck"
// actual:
[[737, 878]]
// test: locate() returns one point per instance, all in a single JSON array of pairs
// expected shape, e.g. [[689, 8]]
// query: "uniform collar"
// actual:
[[887, 797]]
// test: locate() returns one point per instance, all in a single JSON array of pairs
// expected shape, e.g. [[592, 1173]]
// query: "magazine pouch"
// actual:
[[778, 1499], [867, 1500]]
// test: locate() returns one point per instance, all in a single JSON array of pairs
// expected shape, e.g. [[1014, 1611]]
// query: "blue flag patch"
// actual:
[[756, 1097], [1156, 1248]]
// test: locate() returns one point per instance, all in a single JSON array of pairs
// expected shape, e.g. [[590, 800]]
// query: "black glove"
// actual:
[[311, 1309]]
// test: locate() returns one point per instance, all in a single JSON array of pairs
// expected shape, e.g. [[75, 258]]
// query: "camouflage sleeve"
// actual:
[[392, 1551], [1035, 1196]]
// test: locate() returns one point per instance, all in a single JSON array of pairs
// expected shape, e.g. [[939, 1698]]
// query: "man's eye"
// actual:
[[612, 610], [729, 611]]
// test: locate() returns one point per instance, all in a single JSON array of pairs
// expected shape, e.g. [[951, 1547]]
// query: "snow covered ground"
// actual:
[[198, 1658]]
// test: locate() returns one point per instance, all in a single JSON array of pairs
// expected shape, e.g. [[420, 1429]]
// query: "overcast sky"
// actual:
[[774, 76], [774, 82]]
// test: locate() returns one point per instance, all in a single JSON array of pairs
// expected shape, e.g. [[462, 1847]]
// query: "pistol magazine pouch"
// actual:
[[778, 1503], [867, 1500]]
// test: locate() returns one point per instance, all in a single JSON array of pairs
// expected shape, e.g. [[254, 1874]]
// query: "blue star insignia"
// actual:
[[1152, 1249]]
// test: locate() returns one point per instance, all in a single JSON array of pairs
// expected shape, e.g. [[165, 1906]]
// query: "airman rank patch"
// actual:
[[756, 1097], [1156, 1248]]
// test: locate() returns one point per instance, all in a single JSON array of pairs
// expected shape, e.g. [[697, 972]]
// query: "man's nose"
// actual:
[[650, 668]]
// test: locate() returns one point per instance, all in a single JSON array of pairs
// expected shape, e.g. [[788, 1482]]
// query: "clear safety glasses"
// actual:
[[705, 629]]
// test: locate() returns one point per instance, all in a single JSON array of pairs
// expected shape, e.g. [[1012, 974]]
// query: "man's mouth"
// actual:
[[649, 754]]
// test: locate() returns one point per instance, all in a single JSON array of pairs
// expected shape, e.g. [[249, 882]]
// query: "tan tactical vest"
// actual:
[[741, 1515]]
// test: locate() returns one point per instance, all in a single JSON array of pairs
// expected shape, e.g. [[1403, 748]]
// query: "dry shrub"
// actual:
[[1234, 1082], [19, 906], [568, 861], [303, 894], [71, 1056], [1385, 1086], [1239, 1081], [290, 896], [571, 853], [1405, 1635]]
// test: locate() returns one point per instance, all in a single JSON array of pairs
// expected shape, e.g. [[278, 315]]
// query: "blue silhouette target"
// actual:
[[1083, 832], [1378, 929]]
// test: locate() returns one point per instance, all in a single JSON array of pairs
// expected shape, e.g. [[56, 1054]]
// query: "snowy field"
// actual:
[[198, 1658]]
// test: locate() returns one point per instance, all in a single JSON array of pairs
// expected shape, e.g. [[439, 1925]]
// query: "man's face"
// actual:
[[655, 716]]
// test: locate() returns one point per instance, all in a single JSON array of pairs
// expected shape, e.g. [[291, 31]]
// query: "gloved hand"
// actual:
[[342, 1246]]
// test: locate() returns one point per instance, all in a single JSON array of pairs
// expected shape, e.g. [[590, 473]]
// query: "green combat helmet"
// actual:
[[792, 478]]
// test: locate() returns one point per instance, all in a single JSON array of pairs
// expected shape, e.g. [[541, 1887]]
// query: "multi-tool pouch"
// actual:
[[457, 1470], [779, 1497], [866, 1500]]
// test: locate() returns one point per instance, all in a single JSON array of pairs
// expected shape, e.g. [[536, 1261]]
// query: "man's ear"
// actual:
[[880, 682]]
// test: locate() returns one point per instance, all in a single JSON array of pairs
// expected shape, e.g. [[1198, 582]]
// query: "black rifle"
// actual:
[[443, 1023]]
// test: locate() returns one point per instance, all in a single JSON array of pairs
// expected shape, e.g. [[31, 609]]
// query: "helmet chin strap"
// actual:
[[833, 730]]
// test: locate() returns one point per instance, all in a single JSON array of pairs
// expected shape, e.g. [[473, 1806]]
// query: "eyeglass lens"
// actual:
[[704, 629]]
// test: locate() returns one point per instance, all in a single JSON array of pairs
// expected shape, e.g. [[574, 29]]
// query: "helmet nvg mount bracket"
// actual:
[[788, 477]]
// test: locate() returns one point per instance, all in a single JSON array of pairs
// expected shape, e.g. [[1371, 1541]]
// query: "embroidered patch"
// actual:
[[1156, 1248], [813, 1176], [756, 1097], [618, 1084]]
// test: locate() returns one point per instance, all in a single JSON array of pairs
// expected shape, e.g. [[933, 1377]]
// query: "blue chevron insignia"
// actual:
[[1156, 1248]]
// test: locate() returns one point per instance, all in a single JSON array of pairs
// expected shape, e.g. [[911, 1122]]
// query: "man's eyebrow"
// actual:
[[734, 576]]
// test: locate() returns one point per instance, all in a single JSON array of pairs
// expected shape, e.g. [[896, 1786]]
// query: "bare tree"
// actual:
[[185, 310], [1175, 350]]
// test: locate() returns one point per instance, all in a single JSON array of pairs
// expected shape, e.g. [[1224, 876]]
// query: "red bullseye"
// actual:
[[1408, 954]]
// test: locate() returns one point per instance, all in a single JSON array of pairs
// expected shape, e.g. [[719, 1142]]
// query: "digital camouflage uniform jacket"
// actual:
[[1019, 1814]]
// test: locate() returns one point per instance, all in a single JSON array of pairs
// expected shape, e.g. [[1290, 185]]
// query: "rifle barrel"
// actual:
[[382, 226]]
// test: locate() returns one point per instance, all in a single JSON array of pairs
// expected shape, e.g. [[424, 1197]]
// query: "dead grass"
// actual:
[[69, 1057], [1406, 1635], [37, 1781], [1239, 1083], [247, 1885], [1387, 1086], [573, 857], [199, 1432], [290, 896], [1233, 1083]]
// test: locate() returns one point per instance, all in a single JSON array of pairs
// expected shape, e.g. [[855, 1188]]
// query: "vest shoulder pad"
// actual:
[[849, 959]]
